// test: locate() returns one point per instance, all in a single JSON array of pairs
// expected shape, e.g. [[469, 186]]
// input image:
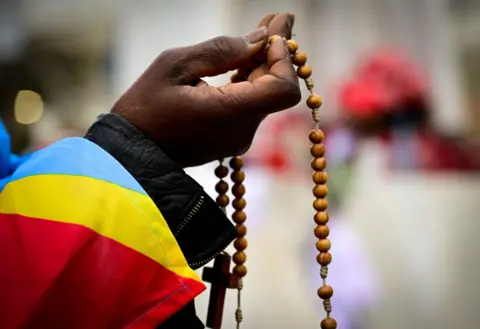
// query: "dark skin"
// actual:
[[195, 123]]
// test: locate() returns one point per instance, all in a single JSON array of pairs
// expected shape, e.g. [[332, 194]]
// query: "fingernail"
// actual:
[[256, 35]]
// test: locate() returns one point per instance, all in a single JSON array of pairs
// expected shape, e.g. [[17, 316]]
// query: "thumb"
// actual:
[[214, 57]]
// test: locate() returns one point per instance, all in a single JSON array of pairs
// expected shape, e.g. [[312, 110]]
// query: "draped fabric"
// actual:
[[83, 246]]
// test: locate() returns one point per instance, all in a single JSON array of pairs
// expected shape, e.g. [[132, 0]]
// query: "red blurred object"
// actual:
[[382, 82]]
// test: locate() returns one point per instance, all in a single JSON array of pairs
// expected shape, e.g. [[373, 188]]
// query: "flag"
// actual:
[[83, 246]]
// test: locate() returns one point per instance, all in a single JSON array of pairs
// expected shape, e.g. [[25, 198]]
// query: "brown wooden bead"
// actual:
[[304, 72], [320, 204], [223, 200], [292, 46], [239, 204], [317, 150], [320, 191], [241, 230], [328, 323], [221, 171], [322, 231], [239, 257], [323, 245], [321, 218], [324, 258], [221, 187], [241, 244], [236, 163], [319, 164], [316, 136], [299, 58], [273, 38], [314, 101], [320, 177], [325, 292], [238, 190], [239, 217], [240, 270], [237, 176]]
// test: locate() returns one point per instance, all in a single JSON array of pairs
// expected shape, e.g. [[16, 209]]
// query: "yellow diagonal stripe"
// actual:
[[126, 216]]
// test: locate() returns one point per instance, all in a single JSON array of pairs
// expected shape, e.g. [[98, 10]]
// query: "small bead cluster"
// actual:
[[320, 190], [239, 217]]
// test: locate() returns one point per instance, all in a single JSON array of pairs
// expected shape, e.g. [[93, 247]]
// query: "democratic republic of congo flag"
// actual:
[[83, 246]]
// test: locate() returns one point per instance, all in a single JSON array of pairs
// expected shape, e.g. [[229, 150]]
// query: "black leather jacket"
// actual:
[[200, 227]]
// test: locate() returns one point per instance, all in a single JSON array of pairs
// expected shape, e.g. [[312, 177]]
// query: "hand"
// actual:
[[195, 123]]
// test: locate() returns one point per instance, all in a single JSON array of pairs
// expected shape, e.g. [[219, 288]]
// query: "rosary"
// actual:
[[219, 276]]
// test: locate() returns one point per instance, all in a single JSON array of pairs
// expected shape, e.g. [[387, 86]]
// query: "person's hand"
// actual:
[[195, 123]]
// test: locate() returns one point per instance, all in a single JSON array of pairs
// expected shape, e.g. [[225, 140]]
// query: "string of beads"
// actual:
[[239, 217], [320, 190]]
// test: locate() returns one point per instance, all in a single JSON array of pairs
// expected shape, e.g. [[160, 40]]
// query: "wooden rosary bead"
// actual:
[[238, 190], [328, 323], [314, 101], [241, 230], [223, 200], [236, 163], [292, 46], [221, 187], [325, 292], [320, 191], [323, 245], [324, 258], [238, 176], [221, 171], [316, 136], [304, 71], [319, 164], [240, 270], [241, 244], [320, 204], [299, 58], [239, 204], [322, 231], [321, 218], [239, 257], [317, 150], [320, 177], [239, 217], [273, 38]]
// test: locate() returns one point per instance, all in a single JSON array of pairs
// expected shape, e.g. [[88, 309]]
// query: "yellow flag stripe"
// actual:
[[124, 215]]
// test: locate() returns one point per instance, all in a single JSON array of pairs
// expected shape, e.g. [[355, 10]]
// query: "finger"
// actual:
[[270, 93], [213, 57], [282, 25], [265, 20]]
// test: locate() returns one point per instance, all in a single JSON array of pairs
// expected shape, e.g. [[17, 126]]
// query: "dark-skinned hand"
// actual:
[[195, 123]]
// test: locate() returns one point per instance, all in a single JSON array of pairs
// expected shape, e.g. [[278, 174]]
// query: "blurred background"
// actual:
[[401, 83]]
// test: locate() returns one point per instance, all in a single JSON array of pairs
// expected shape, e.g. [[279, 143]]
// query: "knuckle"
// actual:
[[224, 48], [173, 61]]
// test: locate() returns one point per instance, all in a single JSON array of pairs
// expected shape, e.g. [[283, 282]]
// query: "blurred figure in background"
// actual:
[[410, 182]]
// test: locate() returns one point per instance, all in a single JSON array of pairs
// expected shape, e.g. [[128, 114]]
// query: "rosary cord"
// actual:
[[320, 190], [240, 243]]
